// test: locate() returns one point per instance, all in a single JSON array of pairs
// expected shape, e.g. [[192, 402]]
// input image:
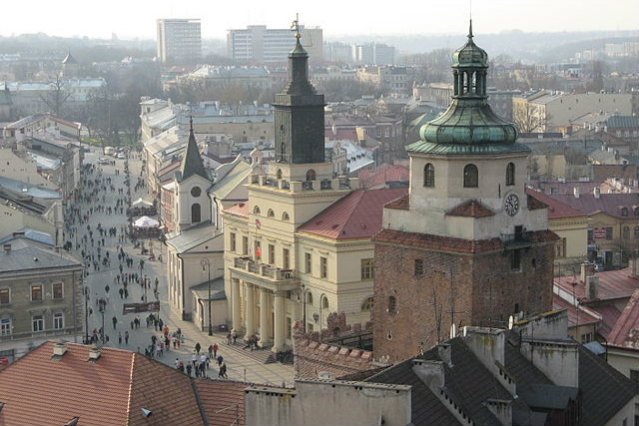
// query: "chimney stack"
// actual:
[[59, 349], [94, 353], [7, 249], [587, 270], [596, 192]]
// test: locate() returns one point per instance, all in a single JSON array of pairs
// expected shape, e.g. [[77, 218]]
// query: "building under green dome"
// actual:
[[469, 125]]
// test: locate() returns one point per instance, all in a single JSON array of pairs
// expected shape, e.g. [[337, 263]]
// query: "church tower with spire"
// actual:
[[192, 184], [466, 246]]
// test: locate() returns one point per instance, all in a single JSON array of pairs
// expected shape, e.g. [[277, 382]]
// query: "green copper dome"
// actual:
[[469, 125], [470, 55]]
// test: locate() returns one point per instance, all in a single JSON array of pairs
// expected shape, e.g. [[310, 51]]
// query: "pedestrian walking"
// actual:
[[215, 349], [222, 374], [119, 338], [188, 369], [220, 360], [115, 321], [198, 347], [126, 337]]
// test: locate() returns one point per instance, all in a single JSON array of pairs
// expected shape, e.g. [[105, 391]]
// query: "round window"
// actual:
[[196, 191]]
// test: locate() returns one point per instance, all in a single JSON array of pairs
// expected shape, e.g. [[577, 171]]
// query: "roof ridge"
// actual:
[[130, 392]]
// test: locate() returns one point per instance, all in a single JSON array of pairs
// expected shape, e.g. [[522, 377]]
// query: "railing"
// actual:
[[515, 240], [263, 269]]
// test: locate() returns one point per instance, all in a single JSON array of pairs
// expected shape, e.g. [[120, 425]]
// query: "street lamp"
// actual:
[[102, 307], [206, 265]]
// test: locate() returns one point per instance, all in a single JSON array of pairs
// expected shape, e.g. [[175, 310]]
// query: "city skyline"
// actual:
[[407, 18]]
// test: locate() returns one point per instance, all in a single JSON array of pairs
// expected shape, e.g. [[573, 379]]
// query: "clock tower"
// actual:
[[466, 246]]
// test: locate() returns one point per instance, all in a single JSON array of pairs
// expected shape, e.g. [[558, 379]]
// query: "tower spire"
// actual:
[[470, 29], [192, 162]]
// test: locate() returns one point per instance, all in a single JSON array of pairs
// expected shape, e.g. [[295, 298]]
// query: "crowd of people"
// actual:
[[107, 256]]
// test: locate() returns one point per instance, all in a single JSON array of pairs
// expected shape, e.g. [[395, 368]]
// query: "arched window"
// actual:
[[429, 176], [310, 175], [392, 305], [510, 174], [256, 210], [471, 176], [196, 213], [279, 173], [309, 298], [285, 217], [325, 302], [367, 305], [270, 213]]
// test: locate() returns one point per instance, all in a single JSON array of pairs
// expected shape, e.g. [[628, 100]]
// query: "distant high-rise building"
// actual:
[[257, 44], [179, 40], [374, 54]]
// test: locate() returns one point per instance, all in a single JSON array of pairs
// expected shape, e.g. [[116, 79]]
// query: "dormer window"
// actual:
[[471, 176], [624, 211], [510, 174], [429, 176]]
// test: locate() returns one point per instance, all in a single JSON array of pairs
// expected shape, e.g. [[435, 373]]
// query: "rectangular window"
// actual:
[[308, 265], [419, 267], [232, 242], [609, 233], [515, 263], [368, 272], [271, 254], [286, 261], [58, 321], [5, 296], [36, 292], [323, 267], [587, 337], [37, 322], [289, 327], [245, 246], [58, 290], [5, 327]]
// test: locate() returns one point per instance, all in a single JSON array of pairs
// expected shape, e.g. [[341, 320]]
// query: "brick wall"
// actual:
[[473, 288]]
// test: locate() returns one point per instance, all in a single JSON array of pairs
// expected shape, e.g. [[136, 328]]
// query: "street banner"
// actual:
[[134, 308]]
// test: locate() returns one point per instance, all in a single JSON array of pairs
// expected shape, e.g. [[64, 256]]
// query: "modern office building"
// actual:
[[179, 40], [257, 44]]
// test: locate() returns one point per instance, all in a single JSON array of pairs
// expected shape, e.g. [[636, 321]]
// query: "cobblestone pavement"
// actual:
[[241, 364]]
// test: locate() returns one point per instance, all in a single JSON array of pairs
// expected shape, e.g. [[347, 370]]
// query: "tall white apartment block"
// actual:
[[257, 44], [179, 40]]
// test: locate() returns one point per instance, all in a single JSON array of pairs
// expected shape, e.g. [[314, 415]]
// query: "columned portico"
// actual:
[[249, 309], [280, 314], [265, 311], [235, 298]]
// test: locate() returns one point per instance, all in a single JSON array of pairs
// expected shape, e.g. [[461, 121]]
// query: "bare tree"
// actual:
[[57, 96], [528, 119]]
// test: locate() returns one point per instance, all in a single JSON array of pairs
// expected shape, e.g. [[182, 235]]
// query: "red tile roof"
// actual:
[[556, 209], [382, 175], [609, 316], [610, 204], [471, 208], [40, 390], [240, 209], [223, 401], [402, 203], [612, 285], [457, 245], [626, 329], [357, 215], [575, 316]]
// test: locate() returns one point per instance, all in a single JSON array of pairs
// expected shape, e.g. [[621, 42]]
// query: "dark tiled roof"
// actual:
[[622, 122], [32, 258], [426, 408], [357, 215], [604, 390], [192, 162], [520, 369], [471, 208]]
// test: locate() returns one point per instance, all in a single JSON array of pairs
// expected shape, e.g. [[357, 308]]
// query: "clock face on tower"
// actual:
[[511, 204]]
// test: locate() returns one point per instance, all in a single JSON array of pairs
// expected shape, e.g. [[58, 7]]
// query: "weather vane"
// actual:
[[295, 26]]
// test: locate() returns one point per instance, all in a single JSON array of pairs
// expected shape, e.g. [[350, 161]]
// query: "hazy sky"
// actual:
[[136, 18]]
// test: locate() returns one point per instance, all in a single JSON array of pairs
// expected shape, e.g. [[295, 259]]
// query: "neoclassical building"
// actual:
[[467, 246], [300, 247]]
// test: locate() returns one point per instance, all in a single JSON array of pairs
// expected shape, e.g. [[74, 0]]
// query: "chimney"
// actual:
[[596, 192], [59, 349], [575, 191], [94, 353], [592, 286], [587, 270], [444, 352], [7, 248]]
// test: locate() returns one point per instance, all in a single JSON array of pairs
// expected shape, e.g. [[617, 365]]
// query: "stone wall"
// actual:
[[479, 289]]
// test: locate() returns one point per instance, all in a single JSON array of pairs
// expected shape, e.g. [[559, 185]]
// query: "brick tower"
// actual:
[[466, 246]]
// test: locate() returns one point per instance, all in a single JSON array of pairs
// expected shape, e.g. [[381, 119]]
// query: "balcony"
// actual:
[[517, 240], [265, 275]]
